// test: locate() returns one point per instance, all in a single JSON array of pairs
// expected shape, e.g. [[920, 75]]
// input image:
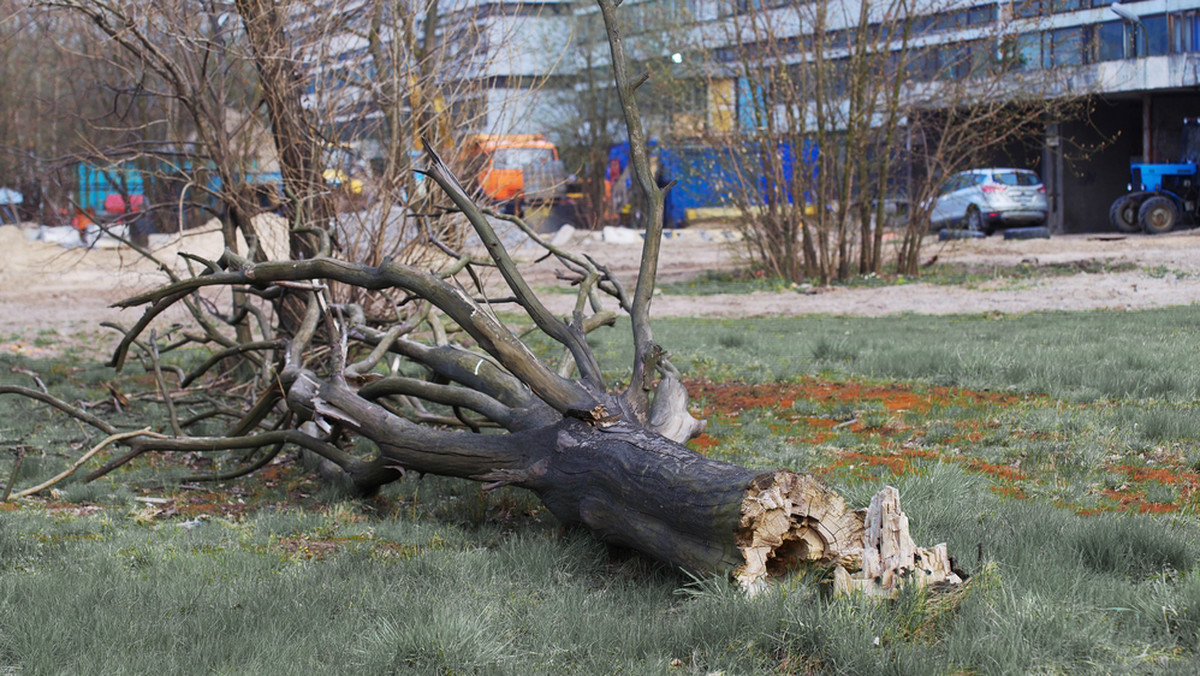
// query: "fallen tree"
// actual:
[[425, 369]]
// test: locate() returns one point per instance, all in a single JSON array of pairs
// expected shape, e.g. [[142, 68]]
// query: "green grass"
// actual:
[[1045, 477], [1080, 356], [746, 280]]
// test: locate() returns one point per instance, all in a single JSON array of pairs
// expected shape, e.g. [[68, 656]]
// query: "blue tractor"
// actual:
[[1162, 194]]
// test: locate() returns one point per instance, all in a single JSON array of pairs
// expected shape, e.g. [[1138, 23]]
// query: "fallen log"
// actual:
[[638, 489]]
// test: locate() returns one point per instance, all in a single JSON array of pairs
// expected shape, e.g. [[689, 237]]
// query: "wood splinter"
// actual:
[[789, 520]]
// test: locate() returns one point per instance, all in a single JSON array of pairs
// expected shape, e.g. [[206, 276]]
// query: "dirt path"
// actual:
[[46, 288]]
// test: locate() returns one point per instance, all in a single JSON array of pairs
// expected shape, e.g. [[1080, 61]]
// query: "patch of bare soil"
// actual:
[[1156, 271], [46, 288]]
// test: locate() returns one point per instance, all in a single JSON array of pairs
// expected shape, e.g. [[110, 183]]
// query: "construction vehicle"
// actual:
[[1162, 194], [515, 170]]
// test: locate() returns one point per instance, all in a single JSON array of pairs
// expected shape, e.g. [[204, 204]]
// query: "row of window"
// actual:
[[1156, 35], [966, 17], [1061, 47], [959, 19]]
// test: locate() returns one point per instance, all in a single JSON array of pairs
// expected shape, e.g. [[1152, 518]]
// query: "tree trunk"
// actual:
[[308, 203], [635, 488]]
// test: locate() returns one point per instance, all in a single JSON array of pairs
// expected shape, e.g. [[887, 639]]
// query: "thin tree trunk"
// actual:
[[308, 203]]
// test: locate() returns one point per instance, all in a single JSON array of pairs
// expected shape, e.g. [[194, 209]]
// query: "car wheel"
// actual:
[[1123, 214], [973, 219], [1158, 215]]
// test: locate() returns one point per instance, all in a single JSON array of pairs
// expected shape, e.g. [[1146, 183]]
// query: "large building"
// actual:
[[1137, 63], [490, 61]]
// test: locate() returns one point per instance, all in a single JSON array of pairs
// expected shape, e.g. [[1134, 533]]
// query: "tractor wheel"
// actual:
[[1158, 215], [1123, 214]]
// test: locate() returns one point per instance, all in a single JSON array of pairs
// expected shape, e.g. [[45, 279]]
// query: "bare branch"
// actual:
[[491, 335], [647, 272], [441, 394], [588, 368], [144, 432], [78, 413]]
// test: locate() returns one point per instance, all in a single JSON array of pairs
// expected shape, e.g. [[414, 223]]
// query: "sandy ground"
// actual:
[[1167, 273], [45, 287]]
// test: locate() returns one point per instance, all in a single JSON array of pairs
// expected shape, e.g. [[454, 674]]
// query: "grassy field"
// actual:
[[1057, 454]]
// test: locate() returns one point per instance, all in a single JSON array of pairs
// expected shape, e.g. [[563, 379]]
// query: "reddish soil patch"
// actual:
[[725, 398], [1141, 490]]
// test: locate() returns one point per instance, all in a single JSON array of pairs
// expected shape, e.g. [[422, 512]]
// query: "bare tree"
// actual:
[[481, 405], [977, 124], [388, 76], [589, 126], [175, 74], [282, 80], [44, 104], [848, 109]]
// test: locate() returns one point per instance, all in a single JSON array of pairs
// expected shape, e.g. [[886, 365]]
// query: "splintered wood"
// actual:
[[789, 520], [669, 414]]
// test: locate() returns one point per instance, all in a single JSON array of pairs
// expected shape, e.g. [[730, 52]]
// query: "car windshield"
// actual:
[[518, 158], [1021, 178]]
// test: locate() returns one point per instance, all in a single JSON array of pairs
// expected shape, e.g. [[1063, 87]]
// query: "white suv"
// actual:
[[987, 199]]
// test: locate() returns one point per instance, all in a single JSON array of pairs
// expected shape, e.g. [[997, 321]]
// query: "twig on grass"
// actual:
[[145, 431]]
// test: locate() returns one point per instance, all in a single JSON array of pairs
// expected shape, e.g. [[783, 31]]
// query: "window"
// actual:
[[955, 60], [1016, 178], [1060, 6], [1029, 51], [954, 20], [984, 54], [1066, 47], [752, 104], [978, 16], [1110, 41], [519, 158], [922, 63], [954, 183], [1153, 36], [923, 24], [1029, 8], [727, 54], [1185, 32], [839, 76]]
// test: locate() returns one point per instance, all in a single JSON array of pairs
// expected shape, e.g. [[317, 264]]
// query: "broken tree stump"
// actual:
[[789, 520]]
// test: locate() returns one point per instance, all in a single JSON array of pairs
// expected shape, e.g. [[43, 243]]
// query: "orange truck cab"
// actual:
[[515, 167]]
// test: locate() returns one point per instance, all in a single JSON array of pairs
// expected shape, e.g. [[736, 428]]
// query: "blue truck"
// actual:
[[706, 176], [1162, 195]]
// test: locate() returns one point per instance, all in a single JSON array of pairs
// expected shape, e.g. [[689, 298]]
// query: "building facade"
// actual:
[[516, 67]]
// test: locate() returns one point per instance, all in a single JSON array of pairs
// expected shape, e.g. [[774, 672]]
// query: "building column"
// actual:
[[1147, 136], [1052, 178]]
